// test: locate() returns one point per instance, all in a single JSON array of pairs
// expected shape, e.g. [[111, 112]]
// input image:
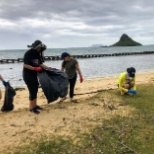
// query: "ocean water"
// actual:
[[90, 67]]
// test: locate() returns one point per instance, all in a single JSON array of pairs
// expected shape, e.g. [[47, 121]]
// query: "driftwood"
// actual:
[[97, 91], [19, 89]]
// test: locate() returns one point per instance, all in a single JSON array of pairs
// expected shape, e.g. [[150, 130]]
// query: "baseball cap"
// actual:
[[131, 71], [64, 54]]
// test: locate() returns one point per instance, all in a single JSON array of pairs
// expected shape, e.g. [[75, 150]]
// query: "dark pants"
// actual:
[[72, 85], [32, 85]]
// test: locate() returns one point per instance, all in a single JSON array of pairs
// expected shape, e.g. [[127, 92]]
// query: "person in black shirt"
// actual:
[[33, 63]]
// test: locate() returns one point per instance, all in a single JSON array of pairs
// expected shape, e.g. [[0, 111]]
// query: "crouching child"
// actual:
[[127, 81]]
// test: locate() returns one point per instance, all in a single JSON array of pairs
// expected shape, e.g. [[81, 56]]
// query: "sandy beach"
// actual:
[[19, 125]]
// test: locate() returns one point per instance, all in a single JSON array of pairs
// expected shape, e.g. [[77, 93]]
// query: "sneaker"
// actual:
[[38, 107], [34, 110]]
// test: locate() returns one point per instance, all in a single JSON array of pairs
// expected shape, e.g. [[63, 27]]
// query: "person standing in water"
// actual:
[[71, 66]]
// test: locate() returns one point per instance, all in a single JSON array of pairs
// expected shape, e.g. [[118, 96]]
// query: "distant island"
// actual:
[[125, 40], [98, 45]]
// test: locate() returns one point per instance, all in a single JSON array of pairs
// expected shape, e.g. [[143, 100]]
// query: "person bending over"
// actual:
[[71, 67]]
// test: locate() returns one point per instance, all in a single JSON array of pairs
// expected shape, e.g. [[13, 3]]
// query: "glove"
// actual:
[[81, 79], [4, 83], [37, 69], [132, 91]]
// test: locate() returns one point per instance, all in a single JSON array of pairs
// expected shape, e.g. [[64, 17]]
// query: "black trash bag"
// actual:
[[8, 100], [54, 83]]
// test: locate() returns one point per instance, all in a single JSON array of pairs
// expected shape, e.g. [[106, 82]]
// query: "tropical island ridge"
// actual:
[[124, 40]]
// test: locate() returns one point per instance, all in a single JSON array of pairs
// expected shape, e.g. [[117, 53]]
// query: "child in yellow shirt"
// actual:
[[126, 82]]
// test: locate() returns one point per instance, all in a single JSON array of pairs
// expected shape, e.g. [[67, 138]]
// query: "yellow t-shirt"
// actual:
[[122, 80]]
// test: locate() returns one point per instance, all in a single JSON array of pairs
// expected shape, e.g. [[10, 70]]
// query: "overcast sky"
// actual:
[[74, 23]]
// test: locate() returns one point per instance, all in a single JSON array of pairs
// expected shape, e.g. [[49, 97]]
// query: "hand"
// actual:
[[132, 91], [81, 78], [37, 69]]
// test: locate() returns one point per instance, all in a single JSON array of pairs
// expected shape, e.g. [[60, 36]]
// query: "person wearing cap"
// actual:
[[127, 81], [71, 66], [33, 63]]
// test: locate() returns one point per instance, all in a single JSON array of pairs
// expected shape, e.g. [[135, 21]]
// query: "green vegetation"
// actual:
[[126, 41], [119, 135]]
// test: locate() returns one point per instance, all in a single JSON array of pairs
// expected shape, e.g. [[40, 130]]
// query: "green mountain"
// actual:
[[125, 40]]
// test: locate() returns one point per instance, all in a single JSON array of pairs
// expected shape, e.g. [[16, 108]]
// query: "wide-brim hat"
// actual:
[[37, 44]]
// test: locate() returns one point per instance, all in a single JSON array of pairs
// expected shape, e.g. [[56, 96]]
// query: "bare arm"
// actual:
[[3, 81], [79, 72], [32, 68], [44, 66], [28, 67], [1, 78], [78, 69]]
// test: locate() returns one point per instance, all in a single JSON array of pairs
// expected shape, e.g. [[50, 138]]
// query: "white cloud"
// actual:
[[5, 23]]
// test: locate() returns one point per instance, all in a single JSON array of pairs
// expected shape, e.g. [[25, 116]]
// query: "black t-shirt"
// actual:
[[31, 57]]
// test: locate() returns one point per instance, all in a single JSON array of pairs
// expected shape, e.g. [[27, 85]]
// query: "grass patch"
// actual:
[[119, 135]]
